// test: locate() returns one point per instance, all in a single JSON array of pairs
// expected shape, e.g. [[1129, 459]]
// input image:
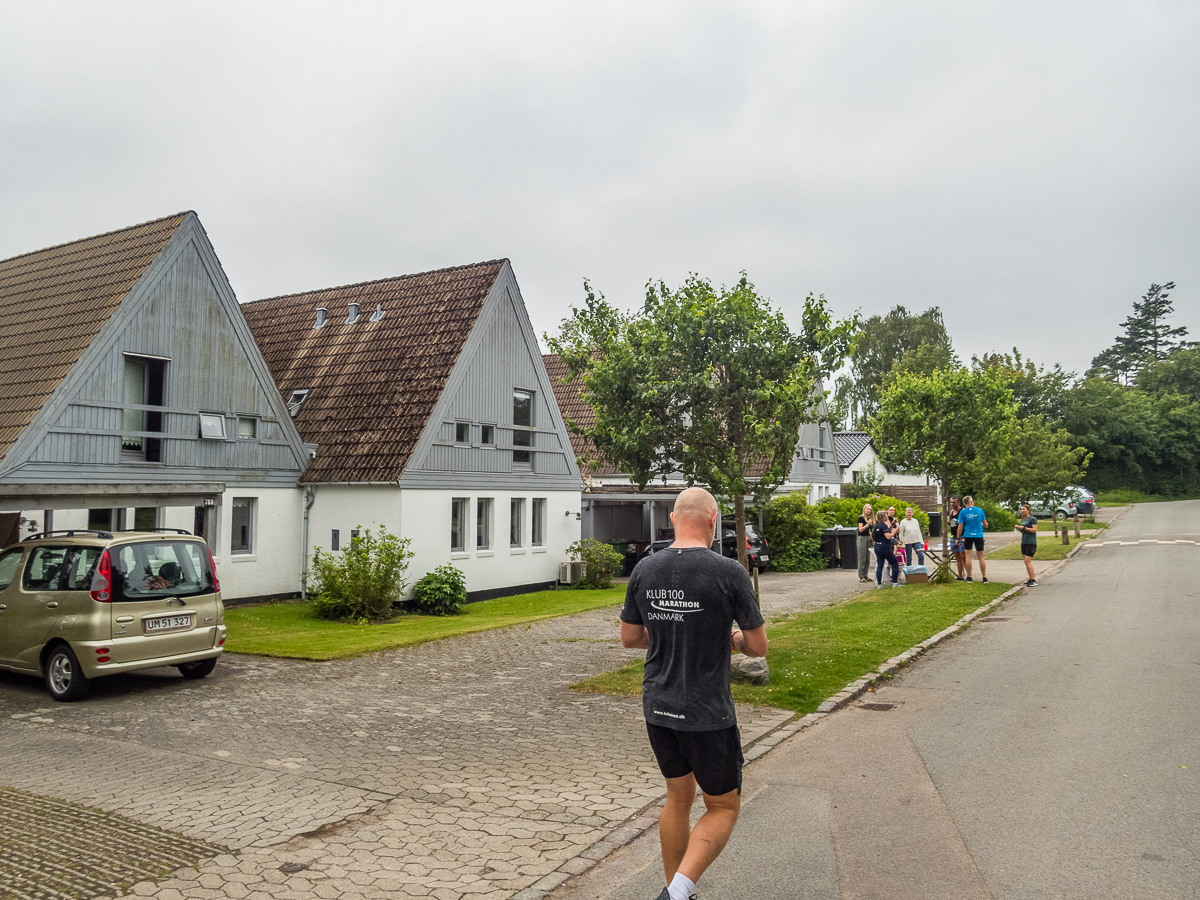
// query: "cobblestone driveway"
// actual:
[[463, 768]]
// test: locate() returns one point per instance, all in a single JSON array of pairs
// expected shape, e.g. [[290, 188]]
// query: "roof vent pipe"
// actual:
[[378, 314], [353, 316], [322, 315]]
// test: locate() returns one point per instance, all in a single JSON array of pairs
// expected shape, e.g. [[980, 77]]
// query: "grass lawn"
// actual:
[[292, 630], [1121, 496], [1049, 546], [814, 655]]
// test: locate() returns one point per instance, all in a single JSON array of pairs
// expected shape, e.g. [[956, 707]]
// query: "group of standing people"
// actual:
[[883, 532]]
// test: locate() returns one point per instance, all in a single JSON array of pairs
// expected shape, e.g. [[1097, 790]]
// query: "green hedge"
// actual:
[[845, 511]]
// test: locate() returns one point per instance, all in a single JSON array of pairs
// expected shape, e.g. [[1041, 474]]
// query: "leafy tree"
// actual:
[[1147, 337], [1177, 373], [1041, 464], [709, 383], [890, 345], [363, 581], [945, 425], [1038, 392]]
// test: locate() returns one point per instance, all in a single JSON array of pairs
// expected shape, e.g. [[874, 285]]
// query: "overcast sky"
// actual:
[[1029, 167]]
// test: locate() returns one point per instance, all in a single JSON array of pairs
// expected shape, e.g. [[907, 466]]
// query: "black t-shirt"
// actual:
[[954, 522], [688, 599], [880, 532], [861, 522]]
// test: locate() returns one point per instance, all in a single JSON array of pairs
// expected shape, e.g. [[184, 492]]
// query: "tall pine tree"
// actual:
[[1148, 337]]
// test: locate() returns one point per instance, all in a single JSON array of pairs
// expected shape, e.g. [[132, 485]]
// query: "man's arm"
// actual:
[[750, 643], [634, 637]]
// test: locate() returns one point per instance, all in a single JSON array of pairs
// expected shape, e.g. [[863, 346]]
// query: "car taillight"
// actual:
[[216, 580], [747, 543], [102, 580]]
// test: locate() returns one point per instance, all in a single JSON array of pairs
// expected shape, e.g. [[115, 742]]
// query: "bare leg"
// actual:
[[982, 564], [967, 557], [675, 823], [711, 834], [1029, 567]]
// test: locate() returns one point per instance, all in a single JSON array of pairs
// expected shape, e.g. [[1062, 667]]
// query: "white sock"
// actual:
[[681, 887]]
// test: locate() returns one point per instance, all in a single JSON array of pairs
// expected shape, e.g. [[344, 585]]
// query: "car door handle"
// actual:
[[52, 604], [124, 619], [3, 606]]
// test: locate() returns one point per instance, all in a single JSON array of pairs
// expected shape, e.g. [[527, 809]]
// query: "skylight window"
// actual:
[[296, 401]]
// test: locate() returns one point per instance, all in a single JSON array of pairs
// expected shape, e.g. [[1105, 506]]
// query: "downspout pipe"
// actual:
[[310, 497]]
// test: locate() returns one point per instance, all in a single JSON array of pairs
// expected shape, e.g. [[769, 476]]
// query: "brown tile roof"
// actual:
[[575, 409], [373, 384], [53, 302]]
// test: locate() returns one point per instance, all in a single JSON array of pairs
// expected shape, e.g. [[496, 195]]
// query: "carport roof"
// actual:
[[54, 302]]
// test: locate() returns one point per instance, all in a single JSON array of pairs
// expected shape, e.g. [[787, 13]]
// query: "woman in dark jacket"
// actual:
[[883, 534]]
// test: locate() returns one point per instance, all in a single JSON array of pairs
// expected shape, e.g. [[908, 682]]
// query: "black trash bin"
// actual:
[[935, 524], [848, 546], [829, 546]]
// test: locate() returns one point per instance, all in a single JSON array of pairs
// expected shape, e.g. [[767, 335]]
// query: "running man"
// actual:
[[971, 522], [680, 605]]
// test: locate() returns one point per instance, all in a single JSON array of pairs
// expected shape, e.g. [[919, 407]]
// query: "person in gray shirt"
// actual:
[[680, 606]]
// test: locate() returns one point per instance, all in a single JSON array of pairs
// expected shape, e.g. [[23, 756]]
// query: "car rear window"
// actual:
[[151, 570], [60, 568]]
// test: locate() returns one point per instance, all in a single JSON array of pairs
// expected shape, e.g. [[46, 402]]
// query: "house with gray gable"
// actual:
[[433, 415], [132, 395]]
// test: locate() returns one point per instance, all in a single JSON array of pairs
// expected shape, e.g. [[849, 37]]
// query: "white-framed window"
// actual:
[[242, 539], [212, 426], [462, 432], [516, 522], [522, 419], [538, 529], [483, 523], [247, 428], [458, 523], [487, 435]]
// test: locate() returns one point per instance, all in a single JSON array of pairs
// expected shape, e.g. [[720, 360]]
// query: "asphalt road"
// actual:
[[1051, 751]]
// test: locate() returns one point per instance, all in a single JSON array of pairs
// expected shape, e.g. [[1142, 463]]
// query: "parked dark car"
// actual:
[[757, 549]]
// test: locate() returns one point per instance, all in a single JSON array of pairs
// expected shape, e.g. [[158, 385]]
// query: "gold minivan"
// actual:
[[77, 605]]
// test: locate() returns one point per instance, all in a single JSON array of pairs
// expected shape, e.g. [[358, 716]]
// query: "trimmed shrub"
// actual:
[[793, 529], [443, 592], [364, 580], [845, 511], [600, 562]]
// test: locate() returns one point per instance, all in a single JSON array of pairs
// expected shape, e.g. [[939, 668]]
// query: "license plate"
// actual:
[[168, 623], [765, 558]]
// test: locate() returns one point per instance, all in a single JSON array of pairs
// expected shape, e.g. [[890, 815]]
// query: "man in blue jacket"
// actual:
[[971, 522]]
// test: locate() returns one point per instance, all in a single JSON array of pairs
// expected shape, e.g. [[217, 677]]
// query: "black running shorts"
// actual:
[[974, 544], [1028, 549], [714, 757]]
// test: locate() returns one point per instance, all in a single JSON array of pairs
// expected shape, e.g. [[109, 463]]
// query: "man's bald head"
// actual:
[[695, 503], [694, 516]]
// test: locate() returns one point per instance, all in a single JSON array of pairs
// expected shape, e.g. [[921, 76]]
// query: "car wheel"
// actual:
[[64, 678], [198, 669]]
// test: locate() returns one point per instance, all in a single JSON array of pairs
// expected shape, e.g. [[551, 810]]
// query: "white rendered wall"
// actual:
[[426, 516], [272, 568], [423, 516]]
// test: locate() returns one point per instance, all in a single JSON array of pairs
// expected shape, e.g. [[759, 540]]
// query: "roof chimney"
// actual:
[[322, 315], [353, 316]]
